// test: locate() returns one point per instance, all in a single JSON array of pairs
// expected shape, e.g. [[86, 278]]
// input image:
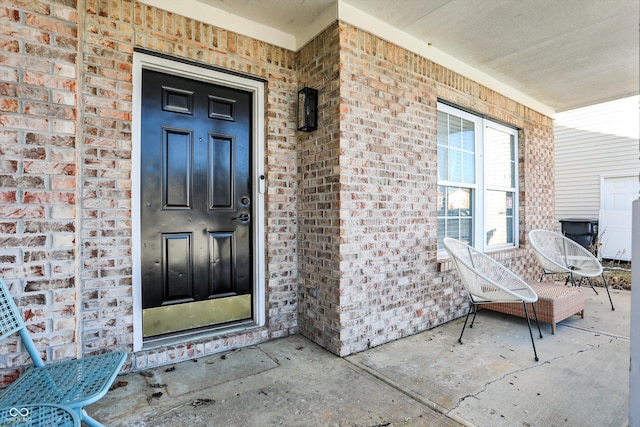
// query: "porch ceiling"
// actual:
[[562, 54]]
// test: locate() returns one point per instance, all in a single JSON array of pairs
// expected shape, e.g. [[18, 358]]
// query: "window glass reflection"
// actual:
[[499, 217]]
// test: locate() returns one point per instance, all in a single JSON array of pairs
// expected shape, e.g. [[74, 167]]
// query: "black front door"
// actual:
[[195, 204]]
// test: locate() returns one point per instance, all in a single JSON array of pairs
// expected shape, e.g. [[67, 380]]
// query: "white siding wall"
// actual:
[[591, 142]]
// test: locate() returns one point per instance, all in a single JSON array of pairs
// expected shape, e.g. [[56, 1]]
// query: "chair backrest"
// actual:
[[559, 254], [11, 322], [484, 278], [10, 318]]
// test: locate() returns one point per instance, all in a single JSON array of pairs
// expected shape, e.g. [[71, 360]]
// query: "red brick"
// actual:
[[9, 45], [65, 13], [36, 167], [34, 6], [49, 110], [49, 197], [7, 196], [44, 80], [63, 183], [8, 14], [9, 105], [7, 228], [51, 25], [22, 212]]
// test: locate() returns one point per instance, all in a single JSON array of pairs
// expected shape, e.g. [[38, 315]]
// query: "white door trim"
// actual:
[[145, 61]]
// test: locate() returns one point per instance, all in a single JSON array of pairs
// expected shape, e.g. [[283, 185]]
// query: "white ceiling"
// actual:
[[561, 53]]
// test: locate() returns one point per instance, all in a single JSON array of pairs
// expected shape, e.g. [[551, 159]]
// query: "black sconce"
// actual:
[[308, 109]]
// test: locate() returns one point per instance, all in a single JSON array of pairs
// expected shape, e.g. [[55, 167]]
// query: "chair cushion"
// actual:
[[555, 303]]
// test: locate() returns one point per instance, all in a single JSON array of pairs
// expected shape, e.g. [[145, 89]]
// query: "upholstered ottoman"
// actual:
[[555, 303]]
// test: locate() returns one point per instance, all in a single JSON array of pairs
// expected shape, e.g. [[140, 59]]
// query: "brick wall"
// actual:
[[389, 281], [319, 189], [104, 182], [38, 171], [388, 182], [350, 209], [367, 194]]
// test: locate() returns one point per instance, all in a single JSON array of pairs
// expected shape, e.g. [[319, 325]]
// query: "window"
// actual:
[[477, 181]]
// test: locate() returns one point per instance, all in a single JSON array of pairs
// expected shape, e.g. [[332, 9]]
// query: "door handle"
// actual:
[[244, 217]]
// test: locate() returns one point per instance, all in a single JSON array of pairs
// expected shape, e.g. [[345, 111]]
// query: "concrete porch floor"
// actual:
[[427, 379]]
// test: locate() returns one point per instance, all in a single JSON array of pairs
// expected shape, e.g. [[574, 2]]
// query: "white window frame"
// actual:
[[480, 187]]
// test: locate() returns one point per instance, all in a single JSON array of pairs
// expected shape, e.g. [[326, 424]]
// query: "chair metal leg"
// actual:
[[607, 288], [535, 314], [475, 313], [590, 284], [526, 314], [604, 281], [465, 322], [88, 420]]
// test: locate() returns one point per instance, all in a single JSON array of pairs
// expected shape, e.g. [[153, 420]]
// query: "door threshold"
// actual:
[[190, 336], [195, 316]]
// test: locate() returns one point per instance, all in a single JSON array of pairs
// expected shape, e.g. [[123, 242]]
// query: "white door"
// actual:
[[618, 194]]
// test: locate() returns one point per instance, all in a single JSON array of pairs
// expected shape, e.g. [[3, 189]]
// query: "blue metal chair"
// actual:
[[74, 383], [39, 416]]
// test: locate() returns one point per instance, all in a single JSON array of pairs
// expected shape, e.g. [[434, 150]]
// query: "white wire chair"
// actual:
[[557, 254], [488, 281]]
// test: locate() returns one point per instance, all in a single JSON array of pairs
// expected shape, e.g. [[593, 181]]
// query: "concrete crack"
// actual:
[[503, 377]]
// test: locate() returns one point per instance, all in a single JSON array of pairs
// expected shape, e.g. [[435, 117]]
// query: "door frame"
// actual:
[[189, 70]]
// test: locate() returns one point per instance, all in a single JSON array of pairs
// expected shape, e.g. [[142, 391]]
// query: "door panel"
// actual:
[[221, 259], [176, 168], [178, 274], [220, 163], [195, 204], [614, 226]]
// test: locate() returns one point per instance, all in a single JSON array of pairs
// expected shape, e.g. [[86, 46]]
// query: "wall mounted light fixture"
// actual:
[[308, 109]]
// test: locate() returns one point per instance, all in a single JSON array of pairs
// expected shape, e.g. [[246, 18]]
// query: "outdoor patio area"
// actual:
[[428, 379]]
